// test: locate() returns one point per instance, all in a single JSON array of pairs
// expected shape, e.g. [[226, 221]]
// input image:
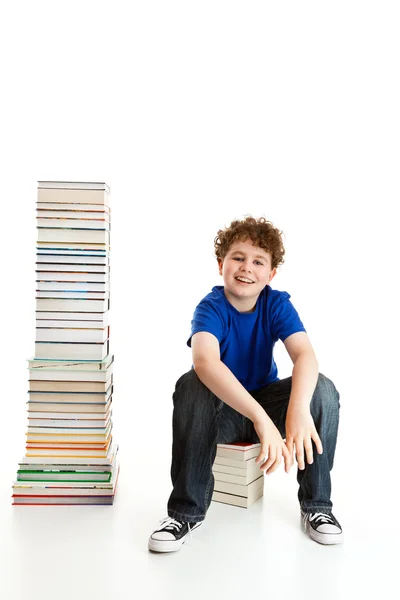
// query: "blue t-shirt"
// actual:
[[247, 340]]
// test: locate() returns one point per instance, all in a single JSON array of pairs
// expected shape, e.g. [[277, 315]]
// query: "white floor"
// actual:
[[101, 552]]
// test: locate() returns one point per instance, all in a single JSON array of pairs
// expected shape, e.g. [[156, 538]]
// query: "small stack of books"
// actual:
[[238, 480], [71, 457]]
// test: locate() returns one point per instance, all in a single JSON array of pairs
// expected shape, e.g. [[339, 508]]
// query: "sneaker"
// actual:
[[171, 535], [322, 528]]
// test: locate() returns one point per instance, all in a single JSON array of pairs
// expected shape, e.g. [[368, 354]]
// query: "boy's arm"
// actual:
[[305, 369], [218, 378], [300, 427]]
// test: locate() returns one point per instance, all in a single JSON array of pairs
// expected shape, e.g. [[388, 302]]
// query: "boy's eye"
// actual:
[[240, 258]]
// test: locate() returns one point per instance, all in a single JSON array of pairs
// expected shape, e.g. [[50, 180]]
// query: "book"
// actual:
[[240, 451], [74, 185], [100, 365], [61, 500], [72, 276], [63, 467], [73, 295], [81, 248], [44, 430], [238, 500], [58, 222], [55, 456], [86, 260], [76, 407], [72, 286], [76, 316], [70, 397], [49, 414], [67, 437], [69, 375], [72, 208], [69, 423], [62, 476], [64, 324], [221, 462], [94, 236], [73, 196], [238, 489], [244, 479], [68, 305], [70, 386], [79, 335], [65, 350]]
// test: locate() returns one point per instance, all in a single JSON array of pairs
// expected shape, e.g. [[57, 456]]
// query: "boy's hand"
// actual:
[[300, 431], [272, 446]]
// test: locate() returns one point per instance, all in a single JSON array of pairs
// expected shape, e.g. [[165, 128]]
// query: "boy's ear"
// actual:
[[220, 263], [272, 274]]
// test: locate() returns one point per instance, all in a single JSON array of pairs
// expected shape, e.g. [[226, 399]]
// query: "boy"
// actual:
[[233, 393]]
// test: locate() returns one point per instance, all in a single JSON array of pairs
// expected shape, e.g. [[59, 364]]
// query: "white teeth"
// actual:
[[244, 279]]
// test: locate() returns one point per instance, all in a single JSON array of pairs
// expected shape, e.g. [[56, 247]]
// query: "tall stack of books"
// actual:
[[71, 457], [238, 480]]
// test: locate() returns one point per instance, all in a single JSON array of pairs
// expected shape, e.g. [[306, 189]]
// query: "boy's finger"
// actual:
[[300, 455], [262, 455], [269, 462], [317, 441], [309, 452]]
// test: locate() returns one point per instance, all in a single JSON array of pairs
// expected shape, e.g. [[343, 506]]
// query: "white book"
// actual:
[[244, 479], [73, 196], [71, 286], [101, 317], [238, 489], [59, 223], [51, 459], [81, 248], [77, 295], [69, 397], [71, 213], [68, 431], [72, 276], [73, 208], [68, 305], [64, 350], [238, 453], [52, 334], [238, 500], [63, 324], [96, 458], [69, 423], [65, 375], [61, 467], [74, 365], [220, 463], [74, 185], [95, 407], [93, 236], [72, 259]]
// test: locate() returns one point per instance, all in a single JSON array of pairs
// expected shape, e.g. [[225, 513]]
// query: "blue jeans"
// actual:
[[201, 421]]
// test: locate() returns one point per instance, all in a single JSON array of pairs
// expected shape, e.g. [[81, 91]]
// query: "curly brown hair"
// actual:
[[260, 231]]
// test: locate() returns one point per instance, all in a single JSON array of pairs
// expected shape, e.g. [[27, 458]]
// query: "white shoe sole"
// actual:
[[170, 546], [327, 539]]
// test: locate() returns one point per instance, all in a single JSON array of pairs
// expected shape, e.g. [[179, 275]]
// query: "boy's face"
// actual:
[[246, 270]]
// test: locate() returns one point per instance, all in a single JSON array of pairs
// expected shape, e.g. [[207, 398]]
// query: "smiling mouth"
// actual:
[[244, 281]]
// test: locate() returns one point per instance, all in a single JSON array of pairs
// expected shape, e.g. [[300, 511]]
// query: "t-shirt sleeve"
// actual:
[[206, 318], [285, 319]]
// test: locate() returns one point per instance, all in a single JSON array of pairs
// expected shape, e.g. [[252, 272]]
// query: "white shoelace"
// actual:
[[170, 523], [324, 518]]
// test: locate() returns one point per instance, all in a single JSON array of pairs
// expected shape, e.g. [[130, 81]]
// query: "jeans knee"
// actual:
[[190, 391], [326, 394]]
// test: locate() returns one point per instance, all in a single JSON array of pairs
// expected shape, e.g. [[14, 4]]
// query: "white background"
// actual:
[[197, 113]]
